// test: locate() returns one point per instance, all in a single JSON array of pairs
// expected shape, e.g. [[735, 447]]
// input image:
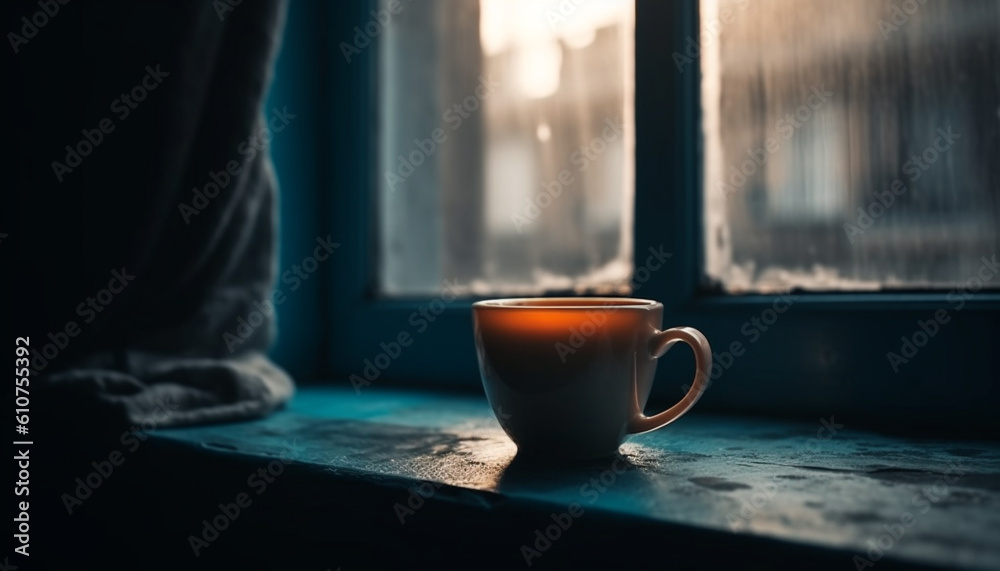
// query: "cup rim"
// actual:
[[563, 303]]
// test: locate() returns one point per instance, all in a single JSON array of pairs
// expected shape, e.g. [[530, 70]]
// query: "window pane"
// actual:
[[850, 145], [506, 147]]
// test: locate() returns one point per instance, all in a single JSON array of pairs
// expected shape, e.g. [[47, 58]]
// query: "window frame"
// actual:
[[793, 369]]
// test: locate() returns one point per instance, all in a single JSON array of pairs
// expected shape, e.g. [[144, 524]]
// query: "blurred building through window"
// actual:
[[506, 147], [850, 145]]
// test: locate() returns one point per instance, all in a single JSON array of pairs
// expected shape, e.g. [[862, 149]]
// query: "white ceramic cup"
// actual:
[[570, 377]]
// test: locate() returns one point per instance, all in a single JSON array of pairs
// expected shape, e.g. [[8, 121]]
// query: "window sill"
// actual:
[[391, 475], [776, 488]]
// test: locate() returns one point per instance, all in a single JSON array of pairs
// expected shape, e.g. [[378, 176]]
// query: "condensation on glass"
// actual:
[[506, 147], [850, 145]]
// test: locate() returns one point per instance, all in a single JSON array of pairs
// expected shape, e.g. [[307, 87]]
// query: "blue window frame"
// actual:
[[826, 355]]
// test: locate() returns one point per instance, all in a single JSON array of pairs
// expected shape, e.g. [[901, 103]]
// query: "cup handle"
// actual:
[[658, 345]]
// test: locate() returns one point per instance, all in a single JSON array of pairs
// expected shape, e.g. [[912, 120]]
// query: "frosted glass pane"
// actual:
[[506, 147], [850, 145]]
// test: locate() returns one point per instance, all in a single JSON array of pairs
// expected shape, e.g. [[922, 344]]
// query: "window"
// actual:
[[849, 145], [505, 146], [711, 80]]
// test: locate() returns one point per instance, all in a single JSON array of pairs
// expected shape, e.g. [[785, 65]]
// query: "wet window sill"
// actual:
[[405, 469]]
